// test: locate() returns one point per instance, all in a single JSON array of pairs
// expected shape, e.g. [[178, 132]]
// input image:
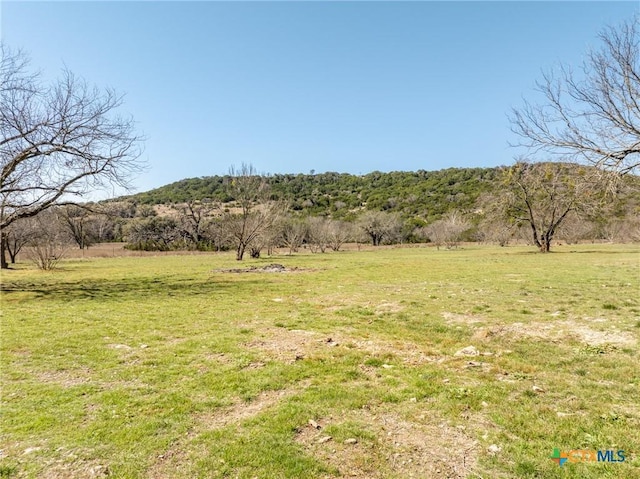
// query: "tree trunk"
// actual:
[[3, 251], [240, 251], [545, 242]]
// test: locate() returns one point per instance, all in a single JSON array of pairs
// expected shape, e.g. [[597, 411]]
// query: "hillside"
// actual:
[[425, 193]]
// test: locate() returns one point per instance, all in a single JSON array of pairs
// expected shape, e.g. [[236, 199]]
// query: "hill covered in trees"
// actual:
[[427, 194]]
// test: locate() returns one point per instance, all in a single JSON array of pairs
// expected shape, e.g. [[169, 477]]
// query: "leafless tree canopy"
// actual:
[[546, 195], [593, 118], [257, 212], [57, 141]]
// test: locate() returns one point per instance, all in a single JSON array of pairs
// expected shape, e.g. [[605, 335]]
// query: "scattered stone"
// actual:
[[494, 449], [387, 366], [324, 439], [314, 424], [468, 351], [446, 380], [120, 346], [30, 450], [143, 346], [474, 364], [484, 404], [538, 389], [351, 440], [413, 400]]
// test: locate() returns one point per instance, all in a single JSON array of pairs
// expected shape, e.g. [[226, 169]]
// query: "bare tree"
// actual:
[[339, 233], [49, 243], [318, 234], [448, 229], [155, 233], [594, 118], [258, 212], [293, 232], [544, 195], [57, 142], [193, 216], [215, 232], [78, 221], [19, 235], [380, 225]]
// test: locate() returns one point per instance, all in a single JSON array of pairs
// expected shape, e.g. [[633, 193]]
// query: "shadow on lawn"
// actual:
[[132, 288]]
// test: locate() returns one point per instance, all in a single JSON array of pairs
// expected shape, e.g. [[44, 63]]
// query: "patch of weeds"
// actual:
[[612, 417], [582, 372], [353, 374], [375, 362], [391, 398], [480, 308], [348, 430], [525, 311], [591, 350], [8, 471], [461, 393], [609, 306], [527, 469]]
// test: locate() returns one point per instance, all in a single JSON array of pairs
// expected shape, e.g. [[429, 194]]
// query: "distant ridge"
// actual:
[[339, 194], [422, 194]]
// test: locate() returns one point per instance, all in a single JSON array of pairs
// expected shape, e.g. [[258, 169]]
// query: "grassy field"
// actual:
[[354, 364]]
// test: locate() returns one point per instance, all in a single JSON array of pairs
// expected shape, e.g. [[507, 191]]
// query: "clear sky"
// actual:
[[298, 86]]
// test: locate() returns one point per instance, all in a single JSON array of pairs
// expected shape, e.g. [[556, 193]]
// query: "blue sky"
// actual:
[[298, 86]]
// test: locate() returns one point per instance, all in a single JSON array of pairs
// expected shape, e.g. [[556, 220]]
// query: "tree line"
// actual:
[[536, 203]]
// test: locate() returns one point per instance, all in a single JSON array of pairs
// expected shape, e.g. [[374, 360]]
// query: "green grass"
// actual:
[[155, 367]]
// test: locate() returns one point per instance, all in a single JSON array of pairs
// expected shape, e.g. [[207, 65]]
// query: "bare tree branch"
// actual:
[[58, 141], [593, 118]]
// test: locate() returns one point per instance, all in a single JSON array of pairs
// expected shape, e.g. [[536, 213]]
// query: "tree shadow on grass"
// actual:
[[131, 288]]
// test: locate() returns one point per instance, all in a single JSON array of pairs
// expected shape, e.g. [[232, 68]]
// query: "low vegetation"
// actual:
[[409, 362]]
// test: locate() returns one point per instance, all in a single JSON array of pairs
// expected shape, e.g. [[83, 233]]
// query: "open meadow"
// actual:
[[398, 363]]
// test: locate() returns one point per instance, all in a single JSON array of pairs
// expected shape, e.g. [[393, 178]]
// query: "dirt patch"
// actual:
[[286, 345], [66, 379], [76, 470], [394, 447], [296, 344], [454, 318], [388, 307], [559, 331], [270, 268]]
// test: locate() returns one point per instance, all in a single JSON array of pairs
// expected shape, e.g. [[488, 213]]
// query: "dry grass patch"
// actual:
[[295, 344], [559, 331], [388, 446]]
